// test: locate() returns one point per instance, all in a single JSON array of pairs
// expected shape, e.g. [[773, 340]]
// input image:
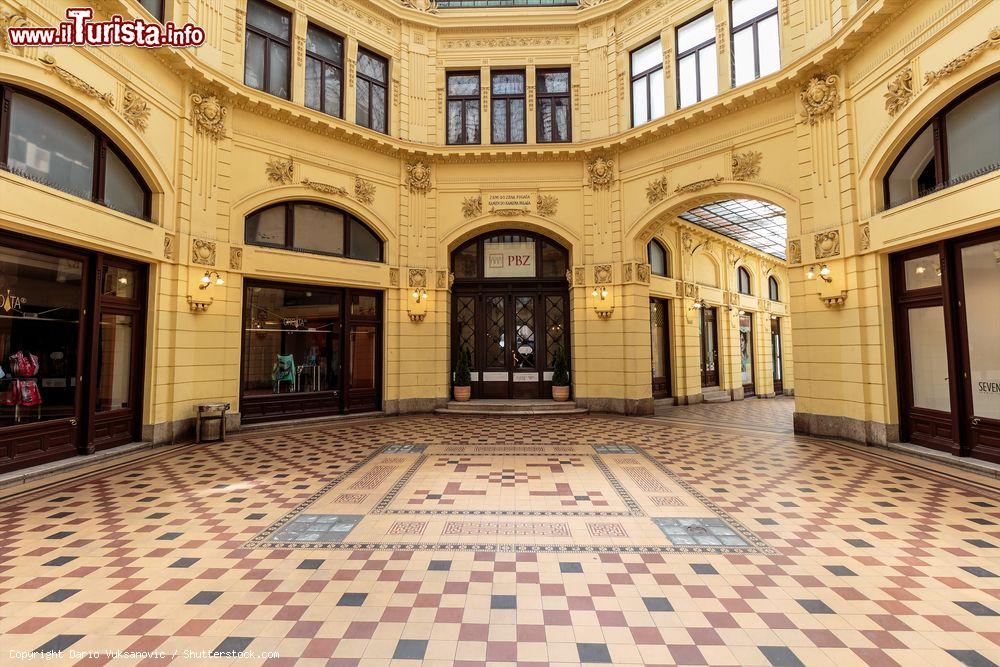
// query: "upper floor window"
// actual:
[[507, 124], [372, 91], [756, 52], [268, 49], [772, 289], [743, 281], [659, 262], [48, 145], [324, 71], [697, 70], [553, 95], [961, 142], [313, 227], [647, 83], [463, 108], [154, 7]]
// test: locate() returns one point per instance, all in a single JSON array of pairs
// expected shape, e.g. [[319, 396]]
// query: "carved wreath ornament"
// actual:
[[819, 98], [418, 176], [208, 115]]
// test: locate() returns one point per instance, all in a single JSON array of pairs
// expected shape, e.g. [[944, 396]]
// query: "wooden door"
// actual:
[[709, 348], [776, 361], [659, 320]]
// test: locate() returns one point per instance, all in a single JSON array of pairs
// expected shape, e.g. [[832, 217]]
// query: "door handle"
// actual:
[[975, 421], [72, 422]]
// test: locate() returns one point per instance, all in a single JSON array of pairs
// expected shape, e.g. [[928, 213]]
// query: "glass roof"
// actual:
[[448, 4], [755, 223]]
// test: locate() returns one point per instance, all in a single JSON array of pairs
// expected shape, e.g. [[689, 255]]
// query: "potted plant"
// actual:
[[462, 384], [560, 376]]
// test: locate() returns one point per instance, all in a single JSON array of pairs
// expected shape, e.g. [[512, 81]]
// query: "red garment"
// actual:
[[27, 392], [23, 364]]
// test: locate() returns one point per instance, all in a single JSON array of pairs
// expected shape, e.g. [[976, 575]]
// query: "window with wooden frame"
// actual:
[[507, 101], [268, 49], [647, 83], [324, 71], [553, 118], [372, 91], [463, 108], [697, 69], [313, 227], [659, 258], [743, 281], [772, 289], [755, 46]]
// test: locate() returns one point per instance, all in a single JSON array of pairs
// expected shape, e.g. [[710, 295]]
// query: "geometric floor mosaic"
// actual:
[[683, 539]]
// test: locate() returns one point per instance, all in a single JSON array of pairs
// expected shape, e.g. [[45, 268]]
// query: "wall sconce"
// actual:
[[602, 304], [824, 273], [417, 309], [211, 278]]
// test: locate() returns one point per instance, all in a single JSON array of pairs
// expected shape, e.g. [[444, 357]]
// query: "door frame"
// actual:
[[777, 361], [662, 385], [715, 350], [753, 365]]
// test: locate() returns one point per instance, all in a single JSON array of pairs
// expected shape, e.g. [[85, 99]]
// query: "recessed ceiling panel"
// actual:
[[755, 223]]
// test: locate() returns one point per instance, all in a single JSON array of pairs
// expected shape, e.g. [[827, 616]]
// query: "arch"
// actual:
[[658, 257], [469, 259], [706, 270], [744, 281], [286, 225], [552, 229], [773, 290]]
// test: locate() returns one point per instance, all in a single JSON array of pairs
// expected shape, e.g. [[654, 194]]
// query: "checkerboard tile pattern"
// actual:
[[869, 562]]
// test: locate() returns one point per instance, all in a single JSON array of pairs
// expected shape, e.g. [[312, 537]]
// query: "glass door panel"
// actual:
[[928, 359], [776, 368], [496, 374], [114, 362], [658, 340], [709, 349], [746, 354], [524, 355]]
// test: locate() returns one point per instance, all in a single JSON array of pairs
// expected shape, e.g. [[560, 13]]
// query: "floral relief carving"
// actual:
[[547, 205], [417, 278], [899, 91], [364, 191], [235, 258], [203, 252], [866, 237], [394, 277], [208, 115], [627, 272], [992, 41], [325, 188], [587, 4], [472, 207], [169, 244], [279, 172], [795, 252], [427, 6], [602, 274], [827, 244], [76, 82], [418, 176], [135, 110], [578, 276], [10, 19], [642, 272], [600, 173], [657, 190], [687, 242], [691, 290], [819, 98], [746, 165], [442, 279], [569, 277], [699, 185]]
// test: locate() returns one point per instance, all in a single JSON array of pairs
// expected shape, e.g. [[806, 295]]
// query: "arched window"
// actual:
[[313, 227], [510, 255], [961, 142], [52, 146], [772, 289], [743, 281], [659, 258]]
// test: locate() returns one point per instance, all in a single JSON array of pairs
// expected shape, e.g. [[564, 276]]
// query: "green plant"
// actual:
[[560, 374], [463, 372]]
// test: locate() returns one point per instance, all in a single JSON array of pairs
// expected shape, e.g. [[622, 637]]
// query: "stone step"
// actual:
[[512, 408], [715, 395]]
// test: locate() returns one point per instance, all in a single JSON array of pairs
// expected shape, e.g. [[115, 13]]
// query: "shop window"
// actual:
[[743, 281], [960, 143], [324, 71], [53, 147], [463, 108], [697, 73], [647, 83], [268, 49], [772, 289], [553, 106], [658, 258], [507, 123], [372, 107], [313, 227], [756, 50]]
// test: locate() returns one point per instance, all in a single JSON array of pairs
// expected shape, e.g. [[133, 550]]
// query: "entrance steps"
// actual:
[[512, 408], [715, 395]]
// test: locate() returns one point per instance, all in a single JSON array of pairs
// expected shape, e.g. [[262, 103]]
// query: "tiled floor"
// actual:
[[471, 540]]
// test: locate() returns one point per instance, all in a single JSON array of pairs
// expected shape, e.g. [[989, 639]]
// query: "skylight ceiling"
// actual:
[[465, 4], [760, 225]]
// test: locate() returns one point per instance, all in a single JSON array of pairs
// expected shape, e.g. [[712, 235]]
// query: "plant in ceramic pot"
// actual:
[[462, 384], [560, 376]]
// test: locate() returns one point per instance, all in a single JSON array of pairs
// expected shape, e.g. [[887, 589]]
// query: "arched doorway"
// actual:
[[510, 310]]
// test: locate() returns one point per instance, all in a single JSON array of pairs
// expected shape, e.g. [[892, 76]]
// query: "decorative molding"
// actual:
[[547, 205], [795, 252], [235, 258], [691, 290], [76, 82], [209, 116], [657, 190], [899, 91], [569, 277], [418, 176], [394, 277], [587, 4], [442, 280], [600, 173], [417, 278], [472, 207], [510, 212], [10, 19], [627, 272], [699, 185], [642, 272], [279, 172], [579, 276], [364, 191], [169, 246], [865, 233], [836, 301], [325, 188], [827, 244], [203, 252], [510, 42], [819, 98], [992, 41], [135, 110], [602, 274], [687, 242], [746, 165]]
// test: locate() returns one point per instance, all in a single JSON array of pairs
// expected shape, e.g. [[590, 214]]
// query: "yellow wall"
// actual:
[[824, 170]]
